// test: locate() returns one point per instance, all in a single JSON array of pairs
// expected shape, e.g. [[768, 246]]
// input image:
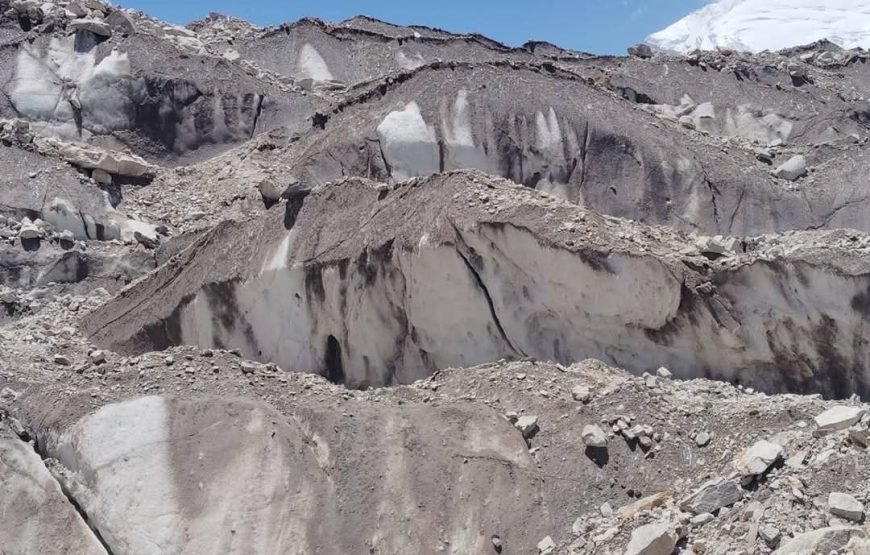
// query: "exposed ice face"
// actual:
[[311, 64], [53, 85], [467, 139], [408, 143], [756, 25]]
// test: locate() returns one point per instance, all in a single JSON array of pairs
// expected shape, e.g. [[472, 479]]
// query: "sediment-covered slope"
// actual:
[[550, 129], [363, 49], [463, 268], [201, 450]]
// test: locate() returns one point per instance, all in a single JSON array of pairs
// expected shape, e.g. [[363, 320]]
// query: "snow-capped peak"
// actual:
[[756, 25]]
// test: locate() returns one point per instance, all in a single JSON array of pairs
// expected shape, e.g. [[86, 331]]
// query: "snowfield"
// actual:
[[756, 25]]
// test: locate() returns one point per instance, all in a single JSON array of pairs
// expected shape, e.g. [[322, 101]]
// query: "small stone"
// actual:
[[101, 176], [606, 510], [581, 393], [845, 506], [652, 539], [7, 395], [663, 372], [148, 242], [247, 367], [860, 436], [496, 544], [770, 535], [527, 425], [546, 546], [97, 357], [702, 519], [594, 436], [702, 439], [61, 360], [838, 418]]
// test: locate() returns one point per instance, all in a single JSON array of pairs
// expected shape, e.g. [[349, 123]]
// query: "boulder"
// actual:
[[581, 393], [99, 28], [827, 540], [640, 51], [845, 506], [793, 169], [838, 418], [528, 425], [755, 460], [593, 436], [652, 539], [120, 22], [712, 496], [546, 546]]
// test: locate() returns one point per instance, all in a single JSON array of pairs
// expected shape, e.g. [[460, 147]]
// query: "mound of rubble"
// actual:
[[364, 288]]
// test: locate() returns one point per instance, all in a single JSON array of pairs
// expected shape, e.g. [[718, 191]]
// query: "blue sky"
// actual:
[[599, 26]]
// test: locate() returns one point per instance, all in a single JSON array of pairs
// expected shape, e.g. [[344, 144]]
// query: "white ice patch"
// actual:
[[412, 61], [461, 150], [122, 453], [409, 145], [549, 132], [311, 64]]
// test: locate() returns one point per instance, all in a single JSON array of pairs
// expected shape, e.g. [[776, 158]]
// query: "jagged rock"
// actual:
[[838, 418], [30, 231], [793, 169], [546, 546], [861, 436], [640, 51], [61, 360], [92, 25], [755, 460], [581, 393], [663, 372], [712, 496], [594, 436], [527, 425], [93, 158], [702, 439], [827, 540], [845, 506], [120, 22], [770, 534], [270, 190], [652, 539], [97, 357]]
